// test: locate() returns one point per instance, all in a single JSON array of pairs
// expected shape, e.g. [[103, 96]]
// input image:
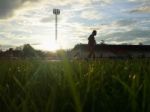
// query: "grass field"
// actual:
[[76, 86]]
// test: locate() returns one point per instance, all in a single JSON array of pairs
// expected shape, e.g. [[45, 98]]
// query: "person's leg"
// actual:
[[90, 54], [93, 54]]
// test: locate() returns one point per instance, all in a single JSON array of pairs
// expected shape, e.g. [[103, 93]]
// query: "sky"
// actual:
[[33, 22]]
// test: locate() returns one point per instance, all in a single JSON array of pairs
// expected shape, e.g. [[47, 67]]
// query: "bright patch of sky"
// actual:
[[33, 22]]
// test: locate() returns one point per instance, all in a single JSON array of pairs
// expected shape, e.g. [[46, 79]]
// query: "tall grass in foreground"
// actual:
[[76, 86]]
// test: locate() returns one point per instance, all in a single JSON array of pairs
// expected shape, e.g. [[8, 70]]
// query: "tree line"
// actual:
[[27, 51]]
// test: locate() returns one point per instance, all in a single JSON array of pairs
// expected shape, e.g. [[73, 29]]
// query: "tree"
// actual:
[[29, 51], [102, 42], [140, 43]]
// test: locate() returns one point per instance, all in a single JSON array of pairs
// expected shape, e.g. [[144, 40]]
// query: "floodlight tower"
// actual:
[[56, 12]]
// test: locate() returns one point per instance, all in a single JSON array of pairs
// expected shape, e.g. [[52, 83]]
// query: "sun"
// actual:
[[50, 46], [48, 42]]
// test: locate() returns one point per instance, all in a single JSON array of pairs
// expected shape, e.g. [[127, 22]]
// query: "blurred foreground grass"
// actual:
[[76, 86]]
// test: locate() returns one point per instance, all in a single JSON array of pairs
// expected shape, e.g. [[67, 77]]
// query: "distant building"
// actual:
[[113, 51]]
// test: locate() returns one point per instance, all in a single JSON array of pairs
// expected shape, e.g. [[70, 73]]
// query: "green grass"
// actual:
[[75, 86]]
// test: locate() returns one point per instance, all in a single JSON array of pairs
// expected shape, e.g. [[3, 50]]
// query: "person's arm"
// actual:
[[94, 41]]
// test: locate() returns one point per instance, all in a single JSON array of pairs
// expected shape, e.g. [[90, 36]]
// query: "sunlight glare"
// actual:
[[51, 46]]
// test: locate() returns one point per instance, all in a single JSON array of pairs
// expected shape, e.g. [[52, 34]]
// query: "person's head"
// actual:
[[94, 32]]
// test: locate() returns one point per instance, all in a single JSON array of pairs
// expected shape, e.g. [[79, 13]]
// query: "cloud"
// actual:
[[8, 7], [5, 47], [47, 19], [91, 15], [138, 0], [141, 9], [62, 18], [125, 22], [135, 35]]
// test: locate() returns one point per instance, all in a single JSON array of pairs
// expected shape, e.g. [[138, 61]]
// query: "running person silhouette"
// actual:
[[91, 44]]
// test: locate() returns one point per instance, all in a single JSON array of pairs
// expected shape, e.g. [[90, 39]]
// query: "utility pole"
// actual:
[[56, 12]]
